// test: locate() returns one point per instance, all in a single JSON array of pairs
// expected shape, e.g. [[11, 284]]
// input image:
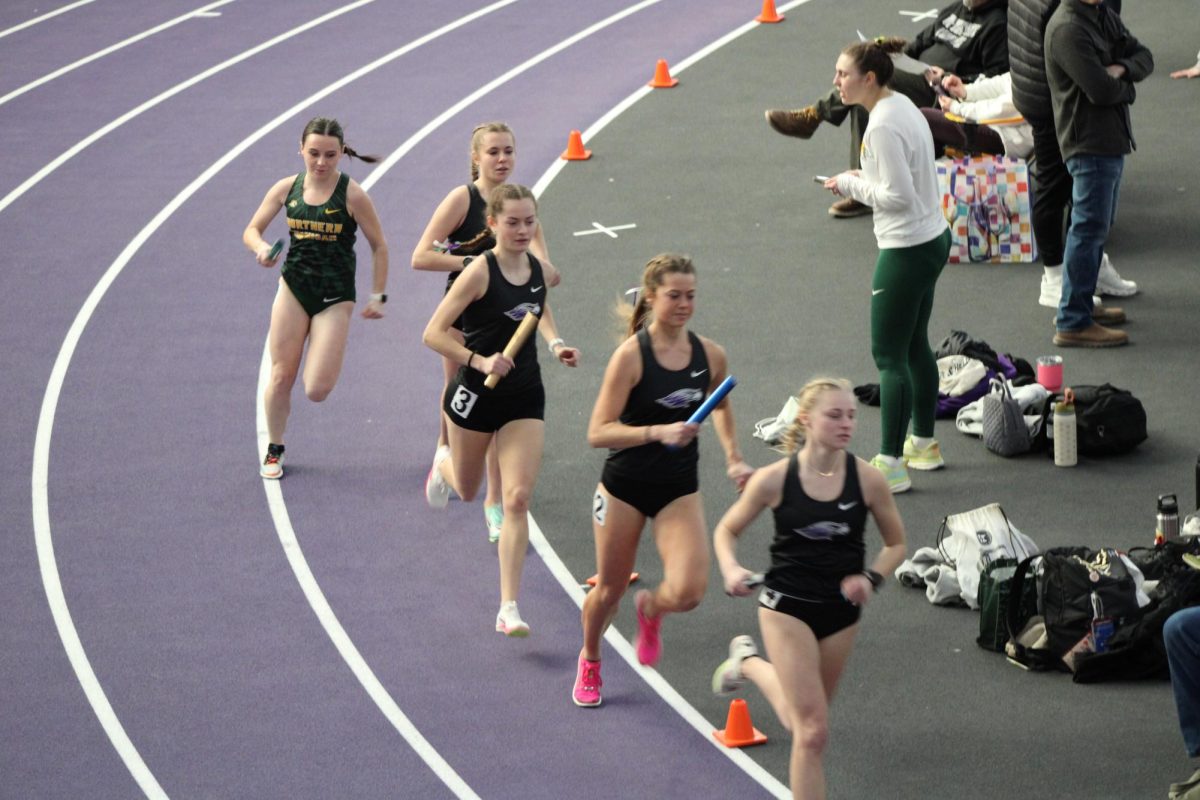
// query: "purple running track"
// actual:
[[170, 563]]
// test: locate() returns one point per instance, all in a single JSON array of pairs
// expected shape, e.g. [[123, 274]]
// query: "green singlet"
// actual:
[[319, 269]]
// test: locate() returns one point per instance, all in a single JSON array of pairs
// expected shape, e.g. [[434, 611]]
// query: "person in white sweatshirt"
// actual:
[[899, 181], [985, 99]]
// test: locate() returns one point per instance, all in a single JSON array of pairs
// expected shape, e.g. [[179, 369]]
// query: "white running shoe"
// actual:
[[1110, 283], [728, 678], [509, 622], [272, 466], [1052, 290], [437, 491]]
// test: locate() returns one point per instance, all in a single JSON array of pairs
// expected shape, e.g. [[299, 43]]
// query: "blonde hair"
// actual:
[[806, 398], [477, 141], [634, 318], [505, 192]]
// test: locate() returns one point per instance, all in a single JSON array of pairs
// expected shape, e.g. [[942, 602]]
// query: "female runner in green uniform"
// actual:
[[316, 293]]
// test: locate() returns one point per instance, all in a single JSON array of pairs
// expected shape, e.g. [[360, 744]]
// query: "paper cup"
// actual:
[[1050, 372]]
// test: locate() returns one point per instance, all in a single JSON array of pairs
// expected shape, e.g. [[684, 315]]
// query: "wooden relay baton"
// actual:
[[519, 337]]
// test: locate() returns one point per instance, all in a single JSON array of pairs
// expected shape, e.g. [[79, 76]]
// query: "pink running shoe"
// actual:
[[647, 642], [587, 683]]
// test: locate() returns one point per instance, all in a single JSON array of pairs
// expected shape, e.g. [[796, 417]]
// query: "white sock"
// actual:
[[922, 442], [891, 461], [1054, 273]]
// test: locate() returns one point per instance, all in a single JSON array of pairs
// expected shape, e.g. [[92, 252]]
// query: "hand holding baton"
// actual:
[[519, 337], [700, 414]]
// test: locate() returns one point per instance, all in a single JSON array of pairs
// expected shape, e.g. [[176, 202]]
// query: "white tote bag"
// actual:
[[973, 539]]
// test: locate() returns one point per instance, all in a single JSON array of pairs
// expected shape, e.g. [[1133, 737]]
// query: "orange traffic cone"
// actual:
[[768, 13], [738, 730], [575, 151], [592, 581], [662, 76]]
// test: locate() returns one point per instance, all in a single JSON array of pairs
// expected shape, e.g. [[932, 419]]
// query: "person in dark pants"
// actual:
[[1092, 63], [1052, 183], [967, 39], [1181, 635]]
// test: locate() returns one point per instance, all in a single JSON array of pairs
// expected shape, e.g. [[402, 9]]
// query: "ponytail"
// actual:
[[328, 126]]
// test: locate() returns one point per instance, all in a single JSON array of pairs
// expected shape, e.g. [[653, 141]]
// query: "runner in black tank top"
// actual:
[[457, 233], [816, 585], [493, 295], [654, 380], [316, 293]]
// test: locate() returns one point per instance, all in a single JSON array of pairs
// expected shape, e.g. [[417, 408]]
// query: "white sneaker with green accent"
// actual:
[[729, 678], [897, 476], [922, 458], [437, 491], [509, 622], [494, 517]]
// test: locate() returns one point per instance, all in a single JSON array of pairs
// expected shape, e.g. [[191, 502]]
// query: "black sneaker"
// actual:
[[272, 466]]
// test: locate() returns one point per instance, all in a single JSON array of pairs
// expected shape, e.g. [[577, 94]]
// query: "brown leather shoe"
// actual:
[[1092, 336], [1108, 315], [848, 207], [800, 123]]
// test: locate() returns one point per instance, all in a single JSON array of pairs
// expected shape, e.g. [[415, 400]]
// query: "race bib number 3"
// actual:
[[463, 401]]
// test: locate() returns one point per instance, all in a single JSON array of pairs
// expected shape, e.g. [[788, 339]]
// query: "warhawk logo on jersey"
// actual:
[[518, 313], [823, 531], [681, 398]]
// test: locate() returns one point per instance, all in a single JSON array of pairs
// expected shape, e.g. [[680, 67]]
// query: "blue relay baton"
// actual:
[[706, 408], [275, 250]]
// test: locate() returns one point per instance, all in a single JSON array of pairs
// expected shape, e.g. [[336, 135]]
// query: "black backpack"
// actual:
[[1066, 582], [1108, 421], [1137, 652]]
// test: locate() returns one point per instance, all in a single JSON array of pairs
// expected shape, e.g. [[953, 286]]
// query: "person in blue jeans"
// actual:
[[1092, 63], [1181, 635]]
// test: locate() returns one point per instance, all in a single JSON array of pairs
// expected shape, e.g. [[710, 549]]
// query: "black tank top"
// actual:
[[817, 543], [490, 321], [662, 396], [474, 223], [322, 237]]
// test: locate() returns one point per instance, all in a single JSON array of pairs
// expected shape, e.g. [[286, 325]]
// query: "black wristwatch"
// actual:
[[467, 260], [874, 577]]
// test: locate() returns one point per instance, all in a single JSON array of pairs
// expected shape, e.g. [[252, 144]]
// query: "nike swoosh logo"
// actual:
[[333, 211], [698, 373], [847, 506], [330, 299], [876, 291], [536, 289]]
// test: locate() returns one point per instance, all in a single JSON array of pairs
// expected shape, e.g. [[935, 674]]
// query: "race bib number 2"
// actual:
[[600, 508], [463, 401]]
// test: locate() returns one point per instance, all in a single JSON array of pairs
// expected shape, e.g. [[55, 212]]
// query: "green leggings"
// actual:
[[901, 301]]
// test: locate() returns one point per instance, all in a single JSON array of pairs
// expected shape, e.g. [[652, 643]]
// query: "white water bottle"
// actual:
[[1065, 447]]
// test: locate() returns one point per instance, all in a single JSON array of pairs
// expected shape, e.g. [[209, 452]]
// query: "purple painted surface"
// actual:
[[170, 564]]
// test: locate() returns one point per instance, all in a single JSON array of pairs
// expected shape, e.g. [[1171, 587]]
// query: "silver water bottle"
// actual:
[[1166, 523]]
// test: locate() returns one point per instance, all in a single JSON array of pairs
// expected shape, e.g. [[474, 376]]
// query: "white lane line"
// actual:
[[552, 172], [570, 585], [99, 134], [58, 73], [329, 621], [545, 550], [44, 17], [43, 535], [491, 86]]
